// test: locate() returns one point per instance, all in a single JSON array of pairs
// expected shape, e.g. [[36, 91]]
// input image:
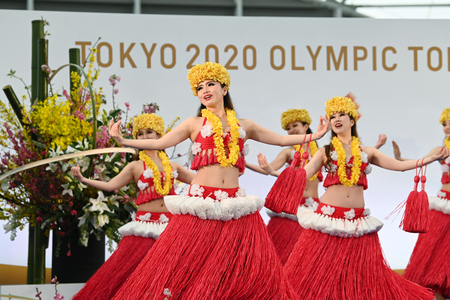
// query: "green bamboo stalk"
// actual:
[[37, 32], [30, 264], [14, 102], [40, 244], [74, 58], [42, 82]]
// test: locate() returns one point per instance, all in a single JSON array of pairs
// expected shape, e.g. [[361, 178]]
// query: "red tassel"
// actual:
[[417, 211], [296, 190], [276, 195]]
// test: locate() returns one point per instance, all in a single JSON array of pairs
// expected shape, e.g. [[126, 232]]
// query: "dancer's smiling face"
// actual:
[[341, 122], [296, 127], [211, 93], [447, 128], [147, 134]]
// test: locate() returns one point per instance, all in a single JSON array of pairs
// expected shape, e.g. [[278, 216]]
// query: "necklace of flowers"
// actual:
[[447, 143], [233, 147], [342, 168], [314, 149], [156, 174]]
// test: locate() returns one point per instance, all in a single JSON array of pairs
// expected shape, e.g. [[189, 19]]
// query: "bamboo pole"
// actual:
[[37, 32], [14, 102]]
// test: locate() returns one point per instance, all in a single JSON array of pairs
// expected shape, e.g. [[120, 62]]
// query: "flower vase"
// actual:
[[76, 263]]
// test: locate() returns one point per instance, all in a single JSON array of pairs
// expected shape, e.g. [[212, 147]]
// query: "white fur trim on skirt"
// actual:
[[210, 209], [440, 204], [143, 229], [309, 219]]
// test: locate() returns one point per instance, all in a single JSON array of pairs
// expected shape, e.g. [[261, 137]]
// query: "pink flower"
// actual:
[[116, 191], [118, 78], [69, 253], [126, 197], [49, 70], [127, 104], [44, 67], [39, 220], [73, 213], [116, 91], [53, 280]]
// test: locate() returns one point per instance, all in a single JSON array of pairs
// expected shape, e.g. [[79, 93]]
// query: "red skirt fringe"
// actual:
[[112, 274], [209, 259], [429, 264], [284, 233], [322, 266]]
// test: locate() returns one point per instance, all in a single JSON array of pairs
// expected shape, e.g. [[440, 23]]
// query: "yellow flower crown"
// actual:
[[445, 116], [209, 70], [146, 121], [292, 115], [341, 104]]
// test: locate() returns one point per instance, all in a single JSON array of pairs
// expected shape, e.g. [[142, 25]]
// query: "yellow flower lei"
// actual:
[[447, 143], [233, 147], [156, 175], [313, 147], [342, 168]]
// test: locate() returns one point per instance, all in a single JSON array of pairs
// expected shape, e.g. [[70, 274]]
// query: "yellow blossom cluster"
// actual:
[[341, 104], [292, 115], [56, 125], [209, 70], [445, 116], [148, 121]]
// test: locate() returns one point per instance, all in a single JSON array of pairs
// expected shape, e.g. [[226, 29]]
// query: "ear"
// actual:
[[224, 90], [352, 122], [306, 126]]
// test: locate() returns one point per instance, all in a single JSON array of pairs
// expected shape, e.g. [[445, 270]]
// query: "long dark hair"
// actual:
[[329, 148], [226, 102]]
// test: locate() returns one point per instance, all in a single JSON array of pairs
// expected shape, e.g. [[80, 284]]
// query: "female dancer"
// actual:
[[216, 246], [284, 228], [346, 261], [152, 215], [429, 264]]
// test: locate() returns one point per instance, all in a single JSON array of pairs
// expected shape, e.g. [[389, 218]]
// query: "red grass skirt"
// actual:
[[333, 267], [199, 258], [285, 231], [429, 264], [112, 274]]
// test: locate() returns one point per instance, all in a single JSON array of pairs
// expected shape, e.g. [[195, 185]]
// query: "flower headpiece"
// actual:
[[292, 115], [445, 116], [146, 121], [341, 104], [209, 70]]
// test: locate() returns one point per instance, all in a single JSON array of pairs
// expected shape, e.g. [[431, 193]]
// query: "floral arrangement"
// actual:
[[341, 104], [209, 70], [66, 122], [445, 116], [292, 115]]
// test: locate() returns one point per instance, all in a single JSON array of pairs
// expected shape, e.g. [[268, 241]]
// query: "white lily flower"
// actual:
[[99, 203], [82, 219], [52, 167], [67, 190], [102, 220], [5, 184]]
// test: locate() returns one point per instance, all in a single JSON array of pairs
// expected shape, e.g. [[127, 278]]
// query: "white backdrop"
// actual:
[[398, 70]]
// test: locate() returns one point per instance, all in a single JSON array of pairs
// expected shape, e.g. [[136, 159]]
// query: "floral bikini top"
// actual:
[[146, 187], [319, 174], [445, 167], [203, 148], [333, 176]]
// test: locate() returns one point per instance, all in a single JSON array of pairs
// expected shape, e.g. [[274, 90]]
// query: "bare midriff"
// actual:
[[344, 196]]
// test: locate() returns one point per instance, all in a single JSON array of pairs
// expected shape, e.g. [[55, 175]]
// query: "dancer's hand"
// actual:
[[381, 141], [77, 173], [397, 153], [114, 131], [264, 164], [323, 128], [441, 154]]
